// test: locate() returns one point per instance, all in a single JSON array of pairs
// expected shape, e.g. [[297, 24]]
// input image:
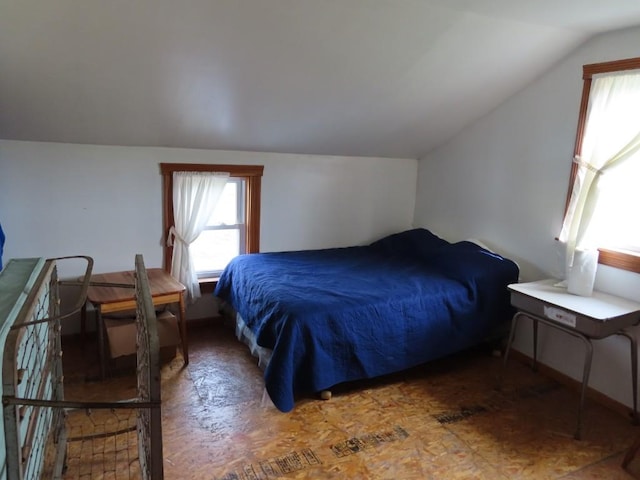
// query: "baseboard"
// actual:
[[575, 385]]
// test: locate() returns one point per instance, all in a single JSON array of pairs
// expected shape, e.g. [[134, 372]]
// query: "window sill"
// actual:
[[624, 260], [208, 284]]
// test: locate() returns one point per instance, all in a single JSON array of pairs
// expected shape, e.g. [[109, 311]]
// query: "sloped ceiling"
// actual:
[[344, 77]]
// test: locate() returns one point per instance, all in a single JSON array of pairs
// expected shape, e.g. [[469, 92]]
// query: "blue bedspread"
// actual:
[[343, 314]]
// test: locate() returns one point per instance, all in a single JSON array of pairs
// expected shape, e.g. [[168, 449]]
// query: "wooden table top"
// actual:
[[160, 283]]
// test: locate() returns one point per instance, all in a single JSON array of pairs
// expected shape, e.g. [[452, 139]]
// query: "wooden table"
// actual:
[[114, 292], [587, 318]]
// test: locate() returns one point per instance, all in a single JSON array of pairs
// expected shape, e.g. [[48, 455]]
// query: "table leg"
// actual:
[[535, 344], [83, 325], [101, 349], [512, 335], [183, 331], [586, 368], [587, 361], [634, 372], [585, 381]]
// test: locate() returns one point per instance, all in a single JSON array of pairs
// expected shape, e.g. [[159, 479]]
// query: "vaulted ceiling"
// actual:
[[344, 77]]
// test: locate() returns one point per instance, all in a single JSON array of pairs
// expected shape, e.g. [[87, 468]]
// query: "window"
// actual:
[[234, 226], [607, 150], [224, 233]]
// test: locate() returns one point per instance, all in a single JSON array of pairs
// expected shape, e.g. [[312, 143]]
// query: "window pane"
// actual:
[[214, 249], [226, 211], [614, 222]]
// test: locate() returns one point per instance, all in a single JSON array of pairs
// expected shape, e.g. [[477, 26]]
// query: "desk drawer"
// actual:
[[591, 327]]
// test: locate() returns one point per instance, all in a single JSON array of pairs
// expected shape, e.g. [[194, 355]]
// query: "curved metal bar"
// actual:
[[79, 302]]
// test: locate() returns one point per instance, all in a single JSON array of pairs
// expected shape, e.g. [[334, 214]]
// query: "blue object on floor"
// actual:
[[1, 244]]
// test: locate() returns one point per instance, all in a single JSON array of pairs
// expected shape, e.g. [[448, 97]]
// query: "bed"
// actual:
[[330, 316]]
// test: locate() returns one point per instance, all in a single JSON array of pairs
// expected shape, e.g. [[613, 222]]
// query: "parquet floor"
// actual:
[[444, 420]]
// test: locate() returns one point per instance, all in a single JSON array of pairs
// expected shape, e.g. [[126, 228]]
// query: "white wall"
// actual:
[[504, 180], [106, 201]]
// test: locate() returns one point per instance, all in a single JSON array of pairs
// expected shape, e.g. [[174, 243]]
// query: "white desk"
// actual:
[[586, 318]]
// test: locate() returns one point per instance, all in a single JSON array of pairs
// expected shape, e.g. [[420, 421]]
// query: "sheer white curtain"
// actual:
[[611, 137], [195, 195]]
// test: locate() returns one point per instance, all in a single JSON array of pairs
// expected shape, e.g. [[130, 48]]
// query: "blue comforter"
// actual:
[[343, 314]]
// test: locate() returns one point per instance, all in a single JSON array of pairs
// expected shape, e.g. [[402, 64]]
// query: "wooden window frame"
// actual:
[[614, 258], [251, 174]]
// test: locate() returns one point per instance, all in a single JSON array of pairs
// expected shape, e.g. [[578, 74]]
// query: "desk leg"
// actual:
[[586, 371], [588, 356], [83, 325], [535, 344], [512, 334], [634, 372], [101, 349], [183, 331], [587, 359]]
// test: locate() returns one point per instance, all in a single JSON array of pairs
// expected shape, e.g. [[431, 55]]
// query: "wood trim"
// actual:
[[613, 258], [252, 202], [208, 285], [620, 259], [607, 67], [582, 119], [252, 175], [233, 170], [167, 217]]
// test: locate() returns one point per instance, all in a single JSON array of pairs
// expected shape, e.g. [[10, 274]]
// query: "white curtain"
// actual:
[[195, 195], [611, 137]]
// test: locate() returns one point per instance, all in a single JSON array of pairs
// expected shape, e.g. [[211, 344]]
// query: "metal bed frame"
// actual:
[[35, 414]]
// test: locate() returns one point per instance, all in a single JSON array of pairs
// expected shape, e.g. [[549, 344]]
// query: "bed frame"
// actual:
[[36, 417]]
